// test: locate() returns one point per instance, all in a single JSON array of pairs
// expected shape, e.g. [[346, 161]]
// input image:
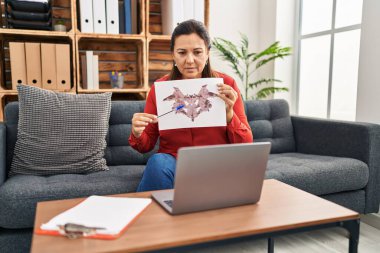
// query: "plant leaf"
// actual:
[[224, 51], [269, 80], [244, 46], [251, 55], [229, 45], [271, 58], [268, 51], [265, 61], [273, 49], [245, 63], [265, 92]]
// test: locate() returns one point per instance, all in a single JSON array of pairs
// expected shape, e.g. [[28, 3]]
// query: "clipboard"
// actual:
[[113, 215]]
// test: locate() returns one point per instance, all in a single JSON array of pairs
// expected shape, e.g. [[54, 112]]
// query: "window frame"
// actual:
[[299, 37]]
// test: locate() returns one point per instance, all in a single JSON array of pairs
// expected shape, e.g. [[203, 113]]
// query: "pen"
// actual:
[[70, 227], [176, 109], [114, 75]]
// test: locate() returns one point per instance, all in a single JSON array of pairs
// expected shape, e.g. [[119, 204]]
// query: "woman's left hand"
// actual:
[[229, 95]]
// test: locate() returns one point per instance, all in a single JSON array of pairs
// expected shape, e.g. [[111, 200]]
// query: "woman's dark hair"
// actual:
[[185, 28]]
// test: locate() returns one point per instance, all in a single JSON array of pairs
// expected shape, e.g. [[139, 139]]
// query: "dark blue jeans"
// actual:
[[159, 173]]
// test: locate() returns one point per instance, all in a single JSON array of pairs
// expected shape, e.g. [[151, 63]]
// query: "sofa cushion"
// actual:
[[118, 151], [354, 200], [270, 121], [316, 174], [20, 194], [60, 133], [11, 112]]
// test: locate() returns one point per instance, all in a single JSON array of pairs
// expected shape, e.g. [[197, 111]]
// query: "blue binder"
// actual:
[[128, 19]]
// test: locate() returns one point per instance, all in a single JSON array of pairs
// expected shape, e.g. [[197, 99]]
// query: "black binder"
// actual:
[[41, 6], [31, 16], [35, 25]]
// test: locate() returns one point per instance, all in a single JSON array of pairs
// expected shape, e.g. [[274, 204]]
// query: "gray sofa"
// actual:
[[336, 160]]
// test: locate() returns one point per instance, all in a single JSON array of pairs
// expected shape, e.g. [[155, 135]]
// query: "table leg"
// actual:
[[353, 228], [270, 245]]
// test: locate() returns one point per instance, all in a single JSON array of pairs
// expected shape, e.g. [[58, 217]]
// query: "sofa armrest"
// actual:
[[3, 154], [343, 139]]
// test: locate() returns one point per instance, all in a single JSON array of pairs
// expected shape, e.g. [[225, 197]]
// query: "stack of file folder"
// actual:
[[42, 65], [29, 14]]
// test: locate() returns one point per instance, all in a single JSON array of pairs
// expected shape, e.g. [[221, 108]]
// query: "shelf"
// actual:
[[61, 10], [160, 60], [111, 36], [141, 90], [153, 17], [124, 55], [12, 92], [41, 33], [159, 37], [142, 57], [6, 98], [5, 70], [8, 92], [141, 21]]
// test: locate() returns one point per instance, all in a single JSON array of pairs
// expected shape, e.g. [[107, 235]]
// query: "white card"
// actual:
[[197, 97]]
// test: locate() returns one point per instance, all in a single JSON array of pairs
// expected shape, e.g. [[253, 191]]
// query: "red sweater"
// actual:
[[237, 131]]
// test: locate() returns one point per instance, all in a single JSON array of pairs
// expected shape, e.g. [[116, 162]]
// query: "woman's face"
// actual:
[[190, 54]]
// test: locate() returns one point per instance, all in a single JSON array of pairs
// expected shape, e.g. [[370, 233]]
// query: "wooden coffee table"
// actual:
[[282, 209]]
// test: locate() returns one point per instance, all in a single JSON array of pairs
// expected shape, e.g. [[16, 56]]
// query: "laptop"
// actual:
[[218, 176]]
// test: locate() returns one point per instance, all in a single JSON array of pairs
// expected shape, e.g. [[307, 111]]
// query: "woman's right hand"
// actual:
[[140, 121]]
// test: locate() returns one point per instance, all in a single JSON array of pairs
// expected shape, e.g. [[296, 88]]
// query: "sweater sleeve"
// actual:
[[149, 136], [238, 130]]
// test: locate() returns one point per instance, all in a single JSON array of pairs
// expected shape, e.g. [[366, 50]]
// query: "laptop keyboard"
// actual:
[[169, 202]]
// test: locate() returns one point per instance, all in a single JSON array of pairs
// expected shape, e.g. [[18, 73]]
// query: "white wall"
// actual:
[[285, 69], [227, 19], [264, 22], [368, 96], [267, 35]]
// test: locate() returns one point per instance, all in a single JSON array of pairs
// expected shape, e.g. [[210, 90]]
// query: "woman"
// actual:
[[190, 47]]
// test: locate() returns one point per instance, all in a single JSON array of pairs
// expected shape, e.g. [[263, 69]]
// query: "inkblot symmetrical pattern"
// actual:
[[194, 104]]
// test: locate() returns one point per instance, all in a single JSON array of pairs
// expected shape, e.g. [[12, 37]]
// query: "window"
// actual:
[[329, 43]]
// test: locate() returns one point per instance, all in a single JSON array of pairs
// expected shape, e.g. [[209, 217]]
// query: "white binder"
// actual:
[[112, 7], [90, 69], [99, 13], [86, 18], [95, 67]]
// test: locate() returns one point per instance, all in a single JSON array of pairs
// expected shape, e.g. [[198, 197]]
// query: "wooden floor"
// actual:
[[321, 241]]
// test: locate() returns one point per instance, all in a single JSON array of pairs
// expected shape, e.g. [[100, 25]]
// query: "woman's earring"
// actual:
[[206, 62], [175, 64]]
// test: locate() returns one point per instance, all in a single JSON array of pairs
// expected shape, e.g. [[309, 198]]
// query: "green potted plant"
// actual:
[[245, 63], [60, 26]]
